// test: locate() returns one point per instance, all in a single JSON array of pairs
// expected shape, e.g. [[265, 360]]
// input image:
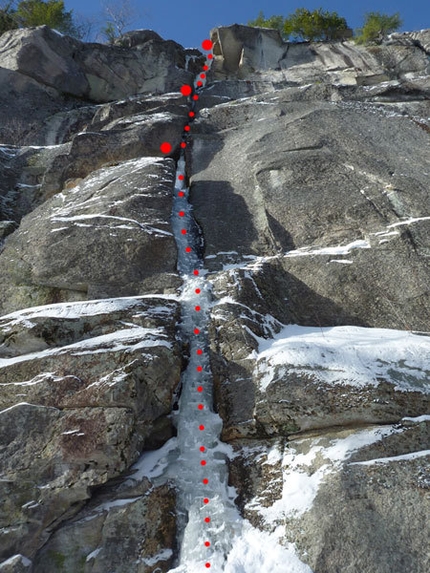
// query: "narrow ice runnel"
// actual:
[[212, 535], [208, 518]]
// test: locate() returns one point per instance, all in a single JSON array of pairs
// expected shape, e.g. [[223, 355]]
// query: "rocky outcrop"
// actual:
[[85, 386], [93, 71], [308, 174], [248, 53], [107, 236], [336, 495], [46, 73]]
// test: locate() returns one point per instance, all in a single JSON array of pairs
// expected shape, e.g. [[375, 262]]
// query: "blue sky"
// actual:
[[189, 21]]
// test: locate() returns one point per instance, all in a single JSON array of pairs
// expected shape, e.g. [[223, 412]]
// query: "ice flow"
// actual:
[[206, 510]]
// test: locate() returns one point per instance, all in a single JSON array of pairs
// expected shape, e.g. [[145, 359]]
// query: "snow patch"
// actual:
[[340, 250], [402, 458], [348, 355], [301, 482]]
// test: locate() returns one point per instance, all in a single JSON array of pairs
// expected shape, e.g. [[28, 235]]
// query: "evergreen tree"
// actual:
[[51, 13], [7, 18], [276, 22], [318, 25], [376, 27]]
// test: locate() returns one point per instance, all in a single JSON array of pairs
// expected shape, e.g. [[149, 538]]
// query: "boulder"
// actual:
[[45, 56], [96, 72]]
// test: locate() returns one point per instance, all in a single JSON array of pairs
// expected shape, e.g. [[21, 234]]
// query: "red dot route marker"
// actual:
[[165, 147], [207, 45]]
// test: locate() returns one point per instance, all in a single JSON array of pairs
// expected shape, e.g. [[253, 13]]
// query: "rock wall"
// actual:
[[308, 172]]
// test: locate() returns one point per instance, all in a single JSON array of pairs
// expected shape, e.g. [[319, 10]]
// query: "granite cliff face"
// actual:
[[308, 168]]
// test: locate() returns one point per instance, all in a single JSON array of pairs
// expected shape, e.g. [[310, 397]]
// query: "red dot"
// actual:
[[207, 519], [181, 194], [210, 57], [191, 114], [197, 308], [203, 76], [196, 331], [188, 249], [187, 128], [203, 463], [207, 45], [205, 68], [202, 449], [183, 145], [205, 481], [184, 231], [195, 97], [181, 177], [182, 213], [206, 500], [199, 351], [186, 90], [165, 147], [197, 291], [200, 407], [207, 565], [199, 84], [199, 388], [196, 272], [199, 368], [201, 428], [207, 543]]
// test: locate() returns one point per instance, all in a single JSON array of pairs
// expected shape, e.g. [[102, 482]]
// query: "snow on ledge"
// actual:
[[340, 250], [402, 458], [348, 355]]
